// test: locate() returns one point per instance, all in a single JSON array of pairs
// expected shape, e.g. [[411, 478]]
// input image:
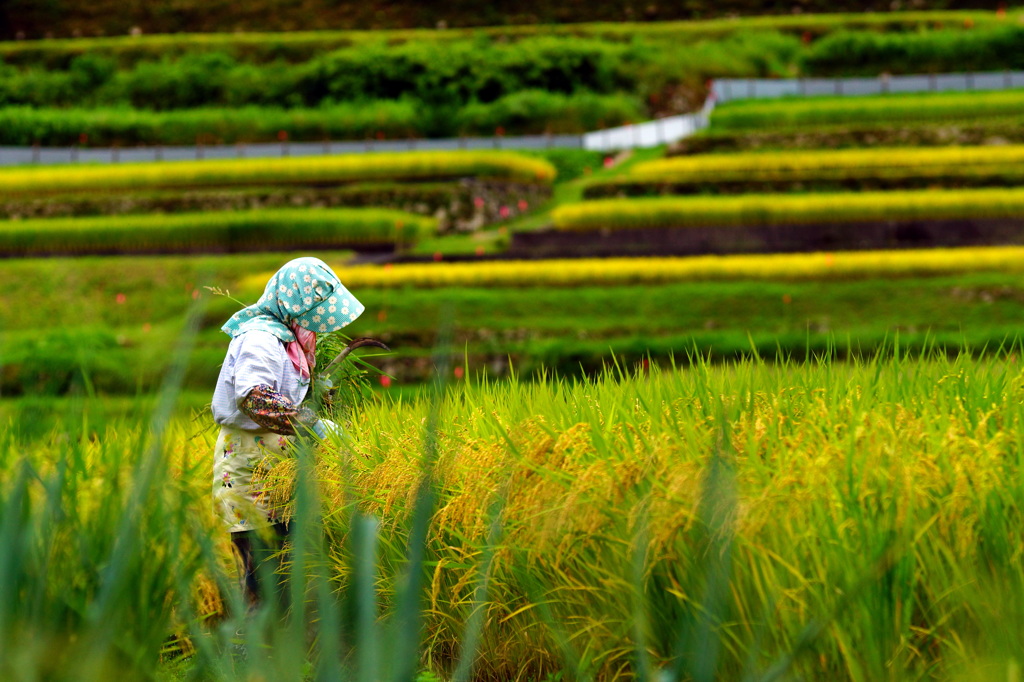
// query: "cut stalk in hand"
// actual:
[[356, 343]]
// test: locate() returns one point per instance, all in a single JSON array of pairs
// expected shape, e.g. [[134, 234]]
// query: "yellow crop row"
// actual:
[[624, 271], [770, 209], [336, 169], [804, 162]]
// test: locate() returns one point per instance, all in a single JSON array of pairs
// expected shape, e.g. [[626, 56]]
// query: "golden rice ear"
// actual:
[[328, 399], [274, 477]]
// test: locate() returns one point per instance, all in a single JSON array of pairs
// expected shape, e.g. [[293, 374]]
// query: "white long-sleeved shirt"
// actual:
[[254, 358]]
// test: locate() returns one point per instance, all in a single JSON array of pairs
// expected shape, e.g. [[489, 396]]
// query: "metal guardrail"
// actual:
[[648, 134], [732, 89], [10, 156]]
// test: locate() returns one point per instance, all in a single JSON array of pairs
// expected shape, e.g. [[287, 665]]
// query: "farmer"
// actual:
[[259, 394]]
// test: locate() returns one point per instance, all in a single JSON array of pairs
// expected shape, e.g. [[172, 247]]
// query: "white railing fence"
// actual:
[[651, 133]]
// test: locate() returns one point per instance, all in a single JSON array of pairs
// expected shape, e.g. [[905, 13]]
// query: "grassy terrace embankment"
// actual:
[[565, 317]]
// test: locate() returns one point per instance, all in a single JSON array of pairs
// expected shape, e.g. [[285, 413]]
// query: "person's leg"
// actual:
[[258, 555], [276, 559], [245, 551]]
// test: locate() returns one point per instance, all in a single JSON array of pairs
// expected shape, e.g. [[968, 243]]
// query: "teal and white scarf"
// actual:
[[305, 292]]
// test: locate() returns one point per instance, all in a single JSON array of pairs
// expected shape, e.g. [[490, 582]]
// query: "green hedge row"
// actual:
[[441, 76], [213, 232], [293, 46], [861, 169], [529, 112], [848, 53], [311, 170], [768, 209], [454, 72], [105, 17], [535, 112], [465, 86], [983, 132], [891, 109], [457, 72], [23, 126]]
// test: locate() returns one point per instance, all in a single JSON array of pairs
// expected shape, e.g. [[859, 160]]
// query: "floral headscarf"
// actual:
[[305, 292]]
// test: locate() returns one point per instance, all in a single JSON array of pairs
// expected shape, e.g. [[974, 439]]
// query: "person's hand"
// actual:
[[325, 429]]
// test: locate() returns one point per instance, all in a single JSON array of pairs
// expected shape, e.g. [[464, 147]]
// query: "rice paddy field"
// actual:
[[821, 520], [748, 465]]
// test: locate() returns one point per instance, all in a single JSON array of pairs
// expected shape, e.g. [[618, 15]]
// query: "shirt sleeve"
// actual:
[[260, 362], [275, 412]]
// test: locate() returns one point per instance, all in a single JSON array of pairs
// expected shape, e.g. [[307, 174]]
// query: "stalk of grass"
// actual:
[[409, 597], [470, 639], [368, 642], [93, 564]]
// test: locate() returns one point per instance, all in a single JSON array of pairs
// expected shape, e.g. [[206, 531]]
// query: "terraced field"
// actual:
[[739, 464], [103, 209], [749, 199], [876, 168], [805, 518]]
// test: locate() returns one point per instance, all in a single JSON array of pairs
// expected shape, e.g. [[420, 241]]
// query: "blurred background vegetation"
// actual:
[[238, 88], [527, 476], [63, 18]]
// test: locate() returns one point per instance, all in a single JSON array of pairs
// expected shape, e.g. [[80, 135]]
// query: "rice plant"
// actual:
[[826, 169], [818, 111], [214, 231], [785, 209], [836, 521], [756, 521], [310, 170]]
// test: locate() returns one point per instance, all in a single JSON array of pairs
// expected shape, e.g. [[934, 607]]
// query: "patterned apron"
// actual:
[[241, 504]]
